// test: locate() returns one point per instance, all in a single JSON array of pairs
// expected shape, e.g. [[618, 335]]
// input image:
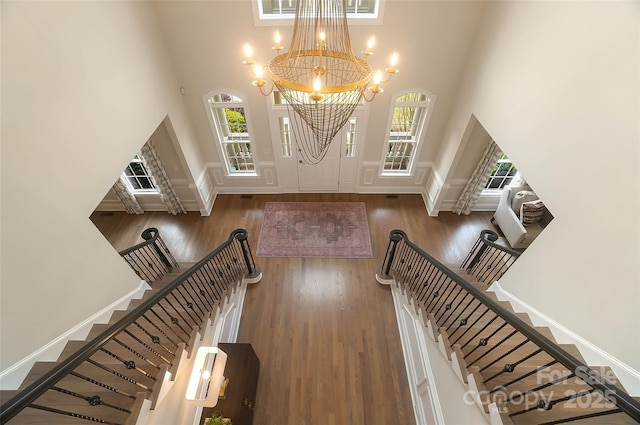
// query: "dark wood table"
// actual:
[[242, 370]]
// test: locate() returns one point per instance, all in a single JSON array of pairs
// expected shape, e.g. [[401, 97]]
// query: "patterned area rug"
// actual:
[[315, 229]]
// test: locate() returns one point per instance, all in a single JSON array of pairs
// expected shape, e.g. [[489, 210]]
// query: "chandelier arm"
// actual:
[[391, 71], [373, 96], [270, 90]]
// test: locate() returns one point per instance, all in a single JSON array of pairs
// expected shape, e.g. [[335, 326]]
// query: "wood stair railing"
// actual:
[[150, 259], [107, 377], [487, 260], [518, 369]]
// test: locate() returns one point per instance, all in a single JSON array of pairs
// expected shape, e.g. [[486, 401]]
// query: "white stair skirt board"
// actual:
[[438, 395], [12, 377], [593, 355], [222, 327], [143, 417]]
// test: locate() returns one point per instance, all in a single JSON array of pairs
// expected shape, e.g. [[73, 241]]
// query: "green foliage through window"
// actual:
[[236, 120]]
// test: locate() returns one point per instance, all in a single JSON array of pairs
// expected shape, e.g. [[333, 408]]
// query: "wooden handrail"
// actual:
[[612, 392], [23, 399]]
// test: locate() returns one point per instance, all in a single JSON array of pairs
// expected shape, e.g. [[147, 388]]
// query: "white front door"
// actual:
[[337, 170], [325, 175]]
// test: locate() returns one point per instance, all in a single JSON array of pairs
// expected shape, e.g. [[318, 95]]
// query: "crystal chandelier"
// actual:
[[320, 78]]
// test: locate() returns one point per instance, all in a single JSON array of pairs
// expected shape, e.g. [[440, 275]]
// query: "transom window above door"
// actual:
[[229, 121], [286, 9]]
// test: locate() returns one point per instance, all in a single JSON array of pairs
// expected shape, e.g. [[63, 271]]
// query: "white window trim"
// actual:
[[219, 137], [421, 131], [259, 19], [517, 181], [132, 189]]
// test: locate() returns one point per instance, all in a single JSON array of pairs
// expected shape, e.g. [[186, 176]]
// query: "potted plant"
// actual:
[[217, 419]]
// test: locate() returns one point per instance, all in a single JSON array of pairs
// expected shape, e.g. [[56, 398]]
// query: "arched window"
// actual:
[[410, 112], [230, 122]]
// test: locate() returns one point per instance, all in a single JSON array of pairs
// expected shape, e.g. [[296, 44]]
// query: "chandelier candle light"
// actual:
[[320, 78]]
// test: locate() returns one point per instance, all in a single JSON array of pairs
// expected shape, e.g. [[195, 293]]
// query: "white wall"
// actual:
[[83, 85], [174, 165], [556, 85]]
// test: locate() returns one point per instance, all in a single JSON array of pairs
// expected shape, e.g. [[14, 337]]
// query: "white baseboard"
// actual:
[[593, 355], [11, 378]]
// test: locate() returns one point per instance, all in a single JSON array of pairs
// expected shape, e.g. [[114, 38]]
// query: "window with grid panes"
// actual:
[[409, 113], [502, 174], [138, 177], [229, 117], [286, 9]]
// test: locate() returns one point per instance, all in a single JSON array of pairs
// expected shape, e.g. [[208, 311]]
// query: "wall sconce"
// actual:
[[207, 376]]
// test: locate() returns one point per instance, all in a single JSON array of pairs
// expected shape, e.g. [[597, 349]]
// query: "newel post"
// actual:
[[395, 236], [153, 234], [242, 236], [484, 235]]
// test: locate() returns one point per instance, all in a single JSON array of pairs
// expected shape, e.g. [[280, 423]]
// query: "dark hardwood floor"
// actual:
[[324, 330]]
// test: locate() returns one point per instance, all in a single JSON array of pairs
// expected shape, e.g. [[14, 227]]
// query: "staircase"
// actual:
[[514, 372], [126, 366]]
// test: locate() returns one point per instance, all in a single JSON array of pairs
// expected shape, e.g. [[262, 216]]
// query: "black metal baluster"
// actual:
[[461, 308], [470, 326], [453, 291], [196, 298], [129, 364], [508, 365], [482, 341], [183, 338], [147, 346], [184, 306], [199, 280], [464, 322], [498, 344], [190, 303], [92, 400], [102, 385], [118, 374], [524, 376], [516, 396], [136, 353], [154, 339], [71, 414], [162, 332], [578, 418], [179, 310], [449, 320], [434, 296]]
